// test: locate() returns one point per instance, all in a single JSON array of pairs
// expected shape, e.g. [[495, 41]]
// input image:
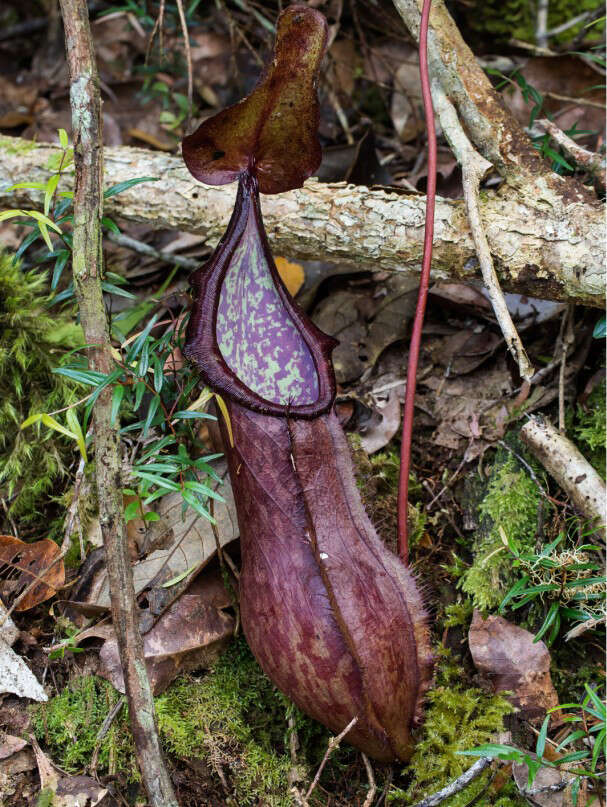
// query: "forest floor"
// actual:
[[512, 572]]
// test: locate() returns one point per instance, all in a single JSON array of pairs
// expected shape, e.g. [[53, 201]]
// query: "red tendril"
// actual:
[[405, 451]]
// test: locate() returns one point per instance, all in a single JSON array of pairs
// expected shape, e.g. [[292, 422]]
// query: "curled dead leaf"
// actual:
[[21, 564]]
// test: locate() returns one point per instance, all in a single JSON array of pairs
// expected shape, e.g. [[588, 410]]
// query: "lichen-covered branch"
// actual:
[[492, 129], [555, 251], [87, 272], [571, 470]]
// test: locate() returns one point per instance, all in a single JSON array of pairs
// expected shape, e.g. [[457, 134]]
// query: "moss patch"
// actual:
[[33, 459], [456, 719], [511, 503], [589, 428], [233, 716]]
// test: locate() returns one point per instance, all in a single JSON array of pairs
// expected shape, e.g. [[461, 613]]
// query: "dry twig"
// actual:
[[474, 169], [332, 745], [589, 160], [145, 249], [88, 270], [457, 785], [567, 341], [188, 58], [372, 786]]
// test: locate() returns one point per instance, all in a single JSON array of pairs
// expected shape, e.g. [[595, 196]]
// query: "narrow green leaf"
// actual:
[[54, 424], [31, 419], [117, 396], [74, 424], [51, 187], [179, 577], [123, 186], [541, 738]]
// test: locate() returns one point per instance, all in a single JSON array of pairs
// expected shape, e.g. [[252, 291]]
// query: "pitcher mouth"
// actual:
[[250, 340]]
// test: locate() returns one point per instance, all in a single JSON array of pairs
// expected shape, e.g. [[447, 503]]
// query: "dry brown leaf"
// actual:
[[190, 634], [186, 544], [366, 318], [68, 791], [21, 563], [510, 660]]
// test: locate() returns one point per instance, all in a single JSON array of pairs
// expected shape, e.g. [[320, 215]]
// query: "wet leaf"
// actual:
[[272, 132]]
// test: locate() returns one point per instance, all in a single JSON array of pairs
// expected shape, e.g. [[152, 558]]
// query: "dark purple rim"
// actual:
[[201, 340]]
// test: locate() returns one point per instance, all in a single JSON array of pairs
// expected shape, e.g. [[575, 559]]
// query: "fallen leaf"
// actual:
[[510, 660], [187, 543], [65, 790], [16, 677], [190, 634], [21, 563], [366, 318], [383, 425]]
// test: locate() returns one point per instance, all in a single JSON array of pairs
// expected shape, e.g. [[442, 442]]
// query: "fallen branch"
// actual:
[[457, 785], [474, 169], [568, 467], [87, 265], [589, 160], [554, 251]]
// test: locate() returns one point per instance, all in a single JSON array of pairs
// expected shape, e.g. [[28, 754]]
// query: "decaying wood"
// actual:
[[541, 245], [564, 462], [87, 264]]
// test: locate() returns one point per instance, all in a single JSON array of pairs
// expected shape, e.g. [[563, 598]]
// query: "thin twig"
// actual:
[[73, 508], [566, 342], [333, 744], [105, 727], [87, 267], [145, 249], [457, 785], [372, 786], [188, 58], [157, 29], [541, 23], [474, 169]]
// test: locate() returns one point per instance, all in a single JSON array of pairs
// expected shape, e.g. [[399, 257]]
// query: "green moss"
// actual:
[[68, 725], [515, 19], [30, 460], [456, 719], [236, 713], [232, 715], [589, 428], [511, 505]]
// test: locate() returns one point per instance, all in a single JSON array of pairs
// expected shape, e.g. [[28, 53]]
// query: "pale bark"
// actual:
[[540, 245]]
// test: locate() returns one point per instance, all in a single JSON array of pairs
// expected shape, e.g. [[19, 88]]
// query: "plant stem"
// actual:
[[424, 281], [87, 270]]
